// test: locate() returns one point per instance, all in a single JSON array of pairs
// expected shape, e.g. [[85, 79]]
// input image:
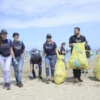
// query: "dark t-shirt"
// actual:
[[50, 48], [88, 53], [62, 49], [33, 61], [5, 47], [18, 48], [74, 39]]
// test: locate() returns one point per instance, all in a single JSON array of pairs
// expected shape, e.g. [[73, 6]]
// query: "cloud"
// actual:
[[28, 6], [64, 19], [48, 13]]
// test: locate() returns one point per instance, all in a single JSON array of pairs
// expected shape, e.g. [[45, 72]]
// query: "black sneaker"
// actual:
[[30, 77], [20, 85], [8, 86], [34, 77], [82, 71], [76, 81], [53, 81], [80, 80], [87, 72], [47, 81], [16, 84], [40, 77], [5, 86]]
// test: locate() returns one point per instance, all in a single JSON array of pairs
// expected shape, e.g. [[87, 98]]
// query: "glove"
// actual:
[[37, 66], [43, 59], [15, 61]]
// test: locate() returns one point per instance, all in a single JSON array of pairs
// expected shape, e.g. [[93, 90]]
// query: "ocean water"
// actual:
[[68, 54], [94, 55]]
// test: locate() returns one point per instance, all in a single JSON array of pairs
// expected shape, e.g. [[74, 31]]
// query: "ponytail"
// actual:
[[63, 44]]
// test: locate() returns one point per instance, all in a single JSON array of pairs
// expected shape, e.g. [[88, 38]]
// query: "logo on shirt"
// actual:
[[78, 41], [47, 47], [17, 47], [5, 45]]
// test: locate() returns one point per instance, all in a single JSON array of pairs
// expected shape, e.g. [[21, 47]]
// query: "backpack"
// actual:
[[9, 41], [53, 43], [35, 55], [20, 43]]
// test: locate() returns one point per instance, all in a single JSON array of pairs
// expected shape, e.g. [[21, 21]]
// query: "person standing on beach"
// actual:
[[19, 52], [88, 50], [63, 51], [50, 49], [76, 38], [6, 54]]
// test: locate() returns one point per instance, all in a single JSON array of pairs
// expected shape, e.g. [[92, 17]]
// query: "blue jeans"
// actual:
[[18, 68], [50, 61]]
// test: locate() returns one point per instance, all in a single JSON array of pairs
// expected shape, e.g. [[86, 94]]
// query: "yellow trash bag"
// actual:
[[60, 72], [78, 58], [97, 69]]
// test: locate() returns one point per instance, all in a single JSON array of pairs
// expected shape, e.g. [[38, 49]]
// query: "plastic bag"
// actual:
[[78, 58], [91, 53], [97, 69], [60, 72]]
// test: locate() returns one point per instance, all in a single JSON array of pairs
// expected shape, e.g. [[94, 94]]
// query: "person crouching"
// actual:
[[35, 59]]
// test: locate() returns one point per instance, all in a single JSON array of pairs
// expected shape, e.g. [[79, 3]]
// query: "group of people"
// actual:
[[14, 52], [11, 52]]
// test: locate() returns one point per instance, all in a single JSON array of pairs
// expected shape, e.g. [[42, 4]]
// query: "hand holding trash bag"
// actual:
[[15, 61], [78, 58]]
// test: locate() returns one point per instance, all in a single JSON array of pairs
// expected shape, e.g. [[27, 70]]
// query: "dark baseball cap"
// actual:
[[49, 36], [3, 31]]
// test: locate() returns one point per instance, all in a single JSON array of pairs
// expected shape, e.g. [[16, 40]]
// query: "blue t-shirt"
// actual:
[[50, 48], [5, 47], [18, 48]]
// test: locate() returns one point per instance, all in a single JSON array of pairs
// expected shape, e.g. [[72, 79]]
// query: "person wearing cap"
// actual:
[[36, 59], [88, 50], [19, 52], [63, 51], [76, 38], [6, 54], [50, 49]]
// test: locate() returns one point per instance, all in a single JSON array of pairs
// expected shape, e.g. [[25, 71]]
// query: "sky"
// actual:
[[33, 19]]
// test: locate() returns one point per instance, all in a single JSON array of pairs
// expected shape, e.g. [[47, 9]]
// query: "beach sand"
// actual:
[[39, 90]]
